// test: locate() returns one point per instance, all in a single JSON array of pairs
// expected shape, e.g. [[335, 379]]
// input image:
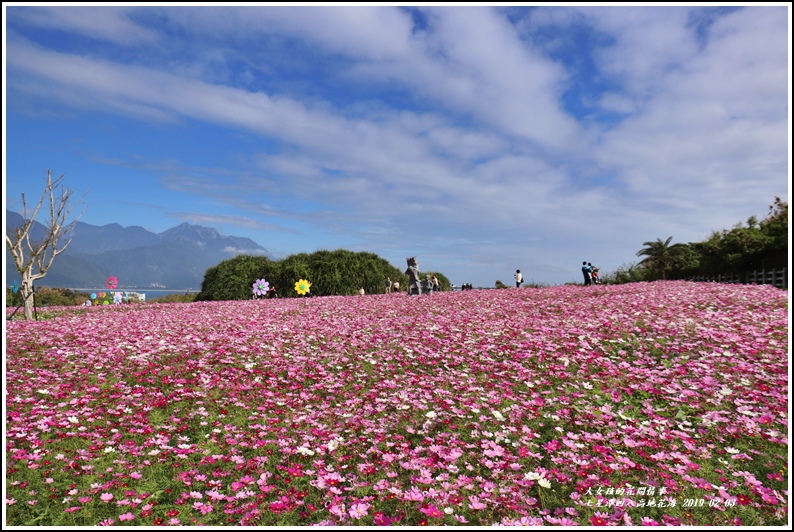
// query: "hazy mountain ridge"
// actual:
[[175, 259]]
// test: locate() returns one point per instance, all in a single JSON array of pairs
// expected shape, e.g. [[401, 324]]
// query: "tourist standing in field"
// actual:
[[388, 285], [519, 278], [587, 272]]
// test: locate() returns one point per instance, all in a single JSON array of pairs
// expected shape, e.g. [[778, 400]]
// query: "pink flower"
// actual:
[[126, 517], [203, 507], [431, 511], [358, 510], [337, 510], [381, 519], [106, 497]]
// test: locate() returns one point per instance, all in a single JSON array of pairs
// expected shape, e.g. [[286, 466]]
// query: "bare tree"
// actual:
[[39, 255]]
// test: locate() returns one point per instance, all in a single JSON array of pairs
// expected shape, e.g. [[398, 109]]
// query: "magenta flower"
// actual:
[[319, 407], [431, 511]]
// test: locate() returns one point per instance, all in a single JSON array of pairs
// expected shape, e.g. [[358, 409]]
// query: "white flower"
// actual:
[[731, 450], [544, 482], [109, 450], [430, 414], [498, 415], [304, 451]]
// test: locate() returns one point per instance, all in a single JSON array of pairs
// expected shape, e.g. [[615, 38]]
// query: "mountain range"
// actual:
[[174, 259]]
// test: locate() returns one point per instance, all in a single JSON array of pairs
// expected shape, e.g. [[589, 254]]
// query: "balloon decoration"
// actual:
[[261, 287], [302, 287]]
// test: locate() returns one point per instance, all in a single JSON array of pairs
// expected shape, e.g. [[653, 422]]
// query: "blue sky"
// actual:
[[478, 139]]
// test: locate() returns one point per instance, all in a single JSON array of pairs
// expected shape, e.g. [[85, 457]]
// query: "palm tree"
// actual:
[[660, 255]]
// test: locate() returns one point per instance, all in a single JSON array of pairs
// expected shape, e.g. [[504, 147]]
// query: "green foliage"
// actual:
[[46, 296], [500, 284], [443, 282], [233, 278], [187, 297], [630, 273], [660, 256], [338, 272], [775, 227], [755, 246], [12, 299]]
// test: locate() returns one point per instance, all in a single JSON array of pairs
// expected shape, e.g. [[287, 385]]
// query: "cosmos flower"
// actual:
[[325, 401], [358, 510], [431, 511]]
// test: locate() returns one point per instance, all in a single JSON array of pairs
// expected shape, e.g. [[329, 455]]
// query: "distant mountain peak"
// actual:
[[176, 258]]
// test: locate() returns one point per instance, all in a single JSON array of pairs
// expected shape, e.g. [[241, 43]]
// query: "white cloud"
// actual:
[[450, 141], [111, 24]]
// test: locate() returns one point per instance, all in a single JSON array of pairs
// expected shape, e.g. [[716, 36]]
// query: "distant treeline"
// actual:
[[754, 246], [338, 272]]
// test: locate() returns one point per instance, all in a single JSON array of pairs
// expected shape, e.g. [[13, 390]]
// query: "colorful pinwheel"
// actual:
[[261, 287], [302, 287], [112, 282]]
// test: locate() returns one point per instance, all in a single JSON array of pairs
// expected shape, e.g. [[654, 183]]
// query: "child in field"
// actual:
[[596, 279]]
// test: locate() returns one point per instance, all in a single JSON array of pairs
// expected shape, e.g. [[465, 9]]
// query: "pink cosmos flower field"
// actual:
[[641, 404]]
